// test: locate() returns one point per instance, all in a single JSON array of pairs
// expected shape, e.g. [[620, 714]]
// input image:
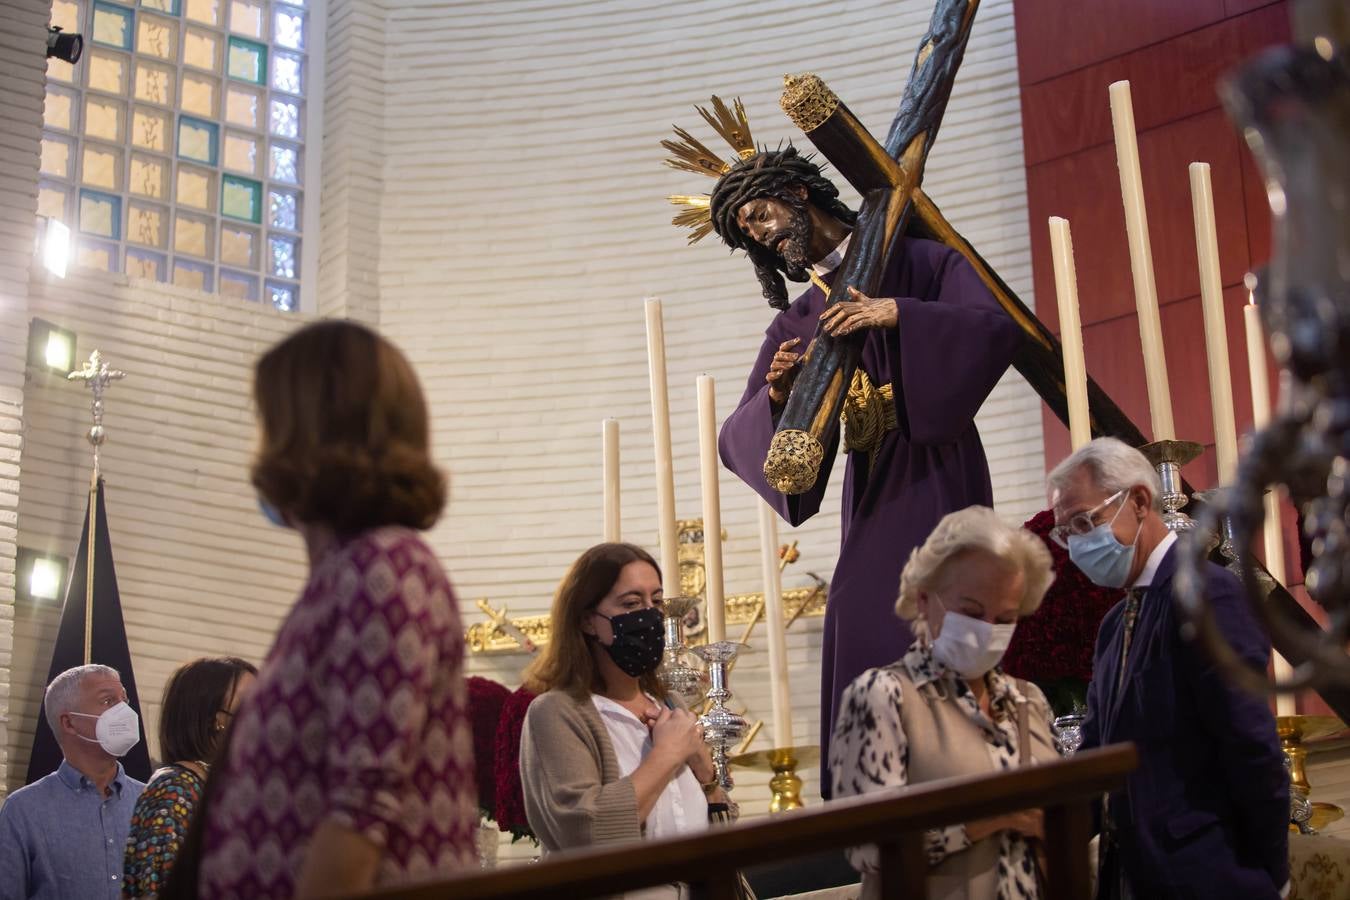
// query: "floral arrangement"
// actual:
[[508, 793], [1053, 647], [486, 698]]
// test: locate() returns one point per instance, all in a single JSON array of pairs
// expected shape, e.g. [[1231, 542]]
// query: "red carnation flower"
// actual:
[[485, 711], [509, 794]]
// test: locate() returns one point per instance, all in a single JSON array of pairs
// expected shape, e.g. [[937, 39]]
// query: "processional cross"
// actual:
[[889, 176]]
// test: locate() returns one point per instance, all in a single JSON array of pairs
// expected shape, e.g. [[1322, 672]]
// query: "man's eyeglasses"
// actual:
[[1083, 522]]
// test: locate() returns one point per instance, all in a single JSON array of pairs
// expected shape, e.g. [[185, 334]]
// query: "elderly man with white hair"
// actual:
[[945, 709], [1206, 813], [63, 836]]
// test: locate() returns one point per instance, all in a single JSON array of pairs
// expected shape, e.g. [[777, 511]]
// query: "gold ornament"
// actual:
[[793, 462], [691, 155], [807, 101], [869, 412]]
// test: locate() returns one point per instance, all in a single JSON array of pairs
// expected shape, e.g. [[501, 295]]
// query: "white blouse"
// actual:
[[681, 808]]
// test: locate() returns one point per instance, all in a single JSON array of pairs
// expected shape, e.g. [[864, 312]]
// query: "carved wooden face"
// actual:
[[781, 227]]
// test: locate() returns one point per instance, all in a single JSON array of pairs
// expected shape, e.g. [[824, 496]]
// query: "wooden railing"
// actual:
[[1065, 789]]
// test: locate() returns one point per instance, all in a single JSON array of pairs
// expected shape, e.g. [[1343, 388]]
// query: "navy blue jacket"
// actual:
[[1206, 815]]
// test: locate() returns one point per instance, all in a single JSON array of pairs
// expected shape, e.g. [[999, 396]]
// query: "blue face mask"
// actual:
[[271, 513], [1103, 559]]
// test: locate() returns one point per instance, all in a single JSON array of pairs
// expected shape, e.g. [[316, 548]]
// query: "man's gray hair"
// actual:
[[64, 692], [1113, 465]]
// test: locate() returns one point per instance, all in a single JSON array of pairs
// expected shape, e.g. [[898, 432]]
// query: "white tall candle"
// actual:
[[776, 623], [1141, 262], [1216, 333], [1273, 531], [712, 509], [610, 432], [1070, 332], [665, 465]]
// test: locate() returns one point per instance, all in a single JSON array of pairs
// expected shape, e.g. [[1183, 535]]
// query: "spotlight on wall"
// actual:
[[65, 47], [40, 576], [56, 247], [50, 348]]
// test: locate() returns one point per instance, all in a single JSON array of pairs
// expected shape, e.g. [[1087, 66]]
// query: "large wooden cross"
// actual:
[[888, 176]]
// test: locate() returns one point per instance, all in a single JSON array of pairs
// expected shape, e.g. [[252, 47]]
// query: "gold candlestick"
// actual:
[[786, 784]]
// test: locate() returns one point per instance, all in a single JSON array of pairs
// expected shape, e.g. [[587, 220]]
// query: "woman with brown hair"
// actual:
[[350, 763], [606, 755]]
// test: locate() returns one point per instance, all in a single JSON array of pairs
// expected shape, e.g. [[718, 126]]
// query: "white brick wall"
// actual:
[[523, 221]]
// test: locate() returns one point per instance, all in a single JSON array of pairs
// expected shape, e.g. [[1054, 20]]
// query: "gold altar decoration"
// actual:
[[1293, 731], [498, 633], [785, 784], [794, 459], [807, 101]]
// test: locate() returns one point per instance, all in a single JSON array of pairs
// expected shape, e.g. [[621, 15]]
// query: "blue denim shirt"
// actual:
[[59, 840]]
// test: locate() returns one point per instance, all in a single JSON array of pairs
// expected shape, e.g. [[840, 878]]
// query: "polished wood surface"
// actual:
[[1064, 788]]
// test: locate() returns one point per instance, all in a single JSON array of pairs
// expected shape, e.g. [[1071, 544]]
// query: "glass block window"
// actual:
[[176, 148]]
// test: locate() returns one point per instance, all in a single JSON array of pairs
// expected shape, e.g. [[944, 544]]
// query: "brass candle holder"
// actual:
[[786, 784], [1168, 457], [1306, 815]]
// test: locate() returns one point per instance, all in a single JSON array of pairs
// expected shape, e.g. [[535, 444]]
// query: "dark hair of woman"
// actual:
[[345, 440], [190, 724], [566, 663]]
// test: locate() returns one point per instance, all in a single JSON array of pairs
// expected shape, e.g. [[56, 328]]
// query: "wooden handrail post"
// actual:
[[1068, 829]]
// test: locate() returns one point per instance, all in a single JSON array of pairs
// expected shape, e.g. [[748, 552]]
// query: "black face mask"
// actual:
[[639, 640]]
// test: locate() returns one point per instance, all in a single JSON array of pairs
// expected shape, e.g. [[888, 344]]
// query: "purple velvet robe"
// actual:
[[952, 344]]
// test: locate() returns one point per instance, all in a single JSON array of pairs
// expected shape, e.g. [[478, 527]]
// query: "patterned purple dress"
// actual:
[[359, 717]]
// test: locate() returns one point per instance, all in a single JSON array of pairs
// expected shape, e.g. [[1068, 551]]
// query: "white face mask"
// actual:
[[118, 729], [970, 647]]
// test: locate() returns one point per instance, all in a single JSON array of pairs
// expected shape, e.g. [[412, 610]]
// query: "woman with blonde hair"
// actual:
[[606, 755], [944, 709]]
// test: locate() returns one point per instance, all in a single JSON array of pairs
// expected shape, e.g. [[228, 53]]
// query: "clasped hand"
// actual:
[[845, 317]]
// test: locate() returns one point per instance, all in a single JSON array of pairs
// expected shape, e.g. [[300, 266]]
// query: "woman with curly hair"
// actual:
[[350, 764]]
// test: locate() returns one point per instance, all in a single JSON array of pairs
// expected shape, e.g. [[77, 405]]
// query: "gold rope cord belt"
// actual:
[[869, 412]]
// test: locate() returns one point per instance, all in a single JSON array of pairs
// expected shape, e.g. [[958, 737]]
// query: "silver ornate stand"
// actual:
[[1168, 457], [679, 672], [722, 728]]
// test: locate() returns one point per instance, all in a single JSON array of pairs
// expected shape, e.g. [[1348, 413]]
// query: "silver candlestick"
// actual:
[[676, 673], [722, 728], [1168, 457]]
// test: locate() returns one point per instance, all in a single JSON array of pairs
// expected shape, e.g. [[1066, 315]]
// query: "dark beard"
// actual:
[[793, 250]]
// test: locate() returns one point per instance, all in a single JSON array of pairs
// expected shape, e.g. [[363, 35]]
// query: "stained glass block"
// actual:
[[242, 105], [52, 201], [97, 255], [197, 140], [199, 94], [285, 118], [166, 6], [247, 17], [282, 210], [108, 71], [238, 246], [66, 15], [147, 225], [237, 284], [284, 163], [103, 118], [157, 36], [285, 297], [154, 83], [207, 11], [247, 61], [287, 71], [147, 265], [283, 256], [100, 214], [60, 71], [149, 176], [196, 188], [289, 28], [59, 109], [101, 167], [113, 26], [241, 198], [56, 156], [201, 49], [150, 129], [241, 153], [191, 275], [192, 235]]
